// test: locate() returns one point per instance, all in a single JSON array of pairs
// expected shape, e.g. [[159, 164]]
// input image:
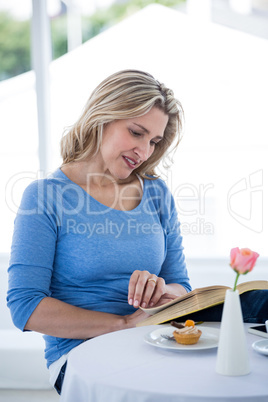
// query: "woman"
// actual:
[[100, 237]]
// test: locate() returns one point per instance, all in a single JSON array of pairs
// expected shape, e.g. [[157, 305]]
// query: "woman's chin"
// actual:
[[122, 175]]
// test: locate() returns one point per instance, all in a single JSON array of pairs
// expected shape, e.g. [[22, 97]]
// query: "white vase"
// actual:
[[232, 356]]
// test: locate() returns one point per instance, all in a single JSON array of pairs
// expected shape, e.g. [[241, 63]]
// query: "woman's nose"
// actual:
[[143, 151]]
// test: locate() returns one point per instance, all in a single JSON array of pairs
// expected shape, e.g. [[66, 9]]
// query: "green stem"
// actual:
[[236, 279]]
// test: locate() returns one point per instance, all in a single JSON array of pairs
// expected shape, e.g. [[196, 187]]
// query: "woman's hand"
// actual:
[[131, 320], [147, 290]]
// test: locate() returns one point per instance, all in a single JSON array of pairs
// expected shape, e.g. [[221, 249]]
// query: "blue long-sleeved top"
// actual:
[[69, 246]]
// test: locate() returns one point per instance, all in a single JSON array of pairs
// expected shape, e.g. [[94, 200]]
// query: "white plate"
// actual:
[[261, 346], [209, 339]]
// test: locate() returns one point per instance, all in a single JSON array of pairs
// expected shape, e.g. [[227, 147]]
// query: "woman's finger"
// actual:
[[149, 290], [158, 292], [136, 287], [140, 288], [132, 286]]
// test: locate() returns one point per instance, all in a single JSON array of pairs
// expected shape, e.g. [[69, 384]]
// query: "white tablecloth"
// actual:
[[121, 367]]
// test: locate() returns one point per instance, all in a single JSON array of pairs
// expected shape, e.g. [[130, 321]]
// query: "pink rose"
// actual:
[[243, 260]]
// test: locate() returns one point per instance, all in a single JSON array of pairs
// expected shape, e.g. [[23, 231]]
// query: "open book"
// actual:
[[196, 300]]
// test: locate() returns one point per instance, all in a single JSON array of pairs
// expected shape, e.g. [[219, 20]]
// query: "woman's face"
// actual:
[[128, 143]]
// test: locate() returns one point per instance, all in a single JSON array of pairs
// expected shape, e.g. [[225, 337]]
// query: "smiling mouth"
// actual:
[[130, 162]]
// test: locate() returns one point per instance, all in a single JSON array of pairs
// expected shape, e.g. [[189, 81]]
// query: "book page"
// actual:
[[156, 309], [196, 300], [252, 285]]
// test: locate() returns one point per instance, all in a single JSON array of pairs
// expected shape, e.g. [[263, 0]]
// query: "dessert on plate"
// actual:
[[187, 333]]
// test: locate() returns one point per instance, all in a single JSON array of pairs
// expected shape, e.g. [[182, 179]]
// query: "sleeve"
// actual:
[[174, 267], [32, 254]]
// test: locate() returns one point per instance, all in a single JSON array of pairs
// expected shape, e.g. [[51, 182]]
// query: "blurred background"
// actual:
[[212, 53]]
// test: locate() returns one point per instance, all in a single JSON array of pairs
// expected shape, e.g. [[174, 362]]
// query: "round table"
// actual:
[[121, 367]]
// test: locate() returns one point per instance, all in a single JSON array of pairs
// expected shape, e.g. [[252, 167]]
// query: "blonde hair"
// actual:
[[123, 95]]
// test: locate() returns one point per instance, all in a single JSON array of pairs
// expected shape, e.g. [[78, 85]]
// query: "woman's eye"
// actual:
[[135, 133], [155, 142]]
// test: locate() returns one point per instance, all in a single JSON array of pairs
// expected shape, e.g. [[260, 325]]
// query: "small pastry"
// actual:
[[186, 334]]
